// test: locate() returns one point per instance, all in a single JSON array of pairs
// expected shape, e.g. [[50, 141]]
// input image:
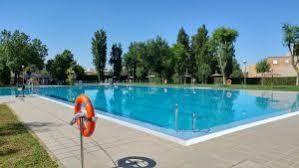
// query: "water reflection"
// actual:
[[197, 109]]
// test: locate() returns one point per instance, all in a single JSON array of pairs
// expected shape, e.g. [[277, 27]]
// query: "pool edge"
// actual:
[[180, 141]]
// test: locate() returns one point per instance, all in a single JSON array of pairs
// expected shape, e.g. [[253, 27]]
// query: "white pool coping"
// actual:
[[178, 140]]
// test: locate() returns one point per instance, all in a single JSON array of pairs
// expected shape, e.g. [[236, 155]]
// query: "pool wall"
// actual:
[[179, 140]]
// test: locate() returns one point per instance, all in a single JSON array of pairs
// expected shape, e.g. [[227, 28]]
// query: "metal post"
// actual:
[[81, 142], [245, 73], [193, 122], [176, 116]]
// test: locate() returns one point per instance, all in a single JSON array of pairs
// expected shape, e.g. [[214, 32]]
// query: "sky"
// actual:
[[70, 24]]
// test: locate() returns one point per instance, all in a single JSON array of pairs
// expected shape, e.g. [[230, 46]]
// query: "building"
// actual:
[[90, 71], [280, 66]]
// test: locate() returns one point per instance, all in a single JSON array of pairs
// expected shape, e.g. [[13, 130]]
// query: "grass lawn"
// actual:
[[19, 148], [234, 86]]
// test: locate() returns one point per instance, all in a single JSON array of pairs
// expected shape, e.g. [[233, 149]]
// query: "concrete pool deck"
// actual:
[[275, 144]]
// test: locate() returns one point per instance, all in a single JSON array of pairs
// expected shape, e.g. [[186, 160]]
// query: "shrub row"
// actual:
[[267, 81], [253, 81]]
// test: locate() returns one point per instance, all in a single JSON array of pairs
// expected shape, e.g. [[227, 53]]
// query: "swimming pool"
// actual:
[[184, 113]]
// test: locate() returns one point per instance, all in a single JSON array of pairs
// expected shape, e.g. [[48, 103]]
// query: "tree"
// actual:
[[183, 38], [291, 41], [262, 67], [71, 75], [79, 71], [4, 75], [236, 70], [115, 60], [189, 62], [59, 65], [200, 49], [223, 45], [180, 54], [159, 58], [99, 52], [19, 49], [4, 70], [132, 59], [38, 53]]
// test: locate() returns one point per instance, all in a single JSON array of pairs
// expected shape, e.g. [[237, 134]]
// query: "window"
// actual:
[[275, 62]]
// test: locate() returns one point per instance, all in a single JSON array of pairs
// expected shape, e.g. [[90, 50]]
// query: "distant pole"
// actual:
[[23, 86], [271, 70], [23, 66], [245, 73]]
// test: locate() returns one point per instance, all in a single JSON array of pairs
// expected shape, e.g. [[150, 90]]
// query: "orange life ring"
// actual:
[[89, 123]]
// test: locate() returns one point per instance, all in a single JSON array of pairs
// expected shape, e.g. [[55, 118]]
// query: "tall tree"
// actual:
[[38, 53], [4, 69], [183, 38], [133, 59], [189, 59], [59, 65], [291, 40], [158, 58], [180, 54], [200, 49], [99, 52], [262, 67], [223, 44], [116, 60]]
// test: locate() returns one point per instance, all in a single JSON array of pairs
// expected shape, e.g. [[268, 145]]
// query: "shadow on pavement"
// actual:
[[136, 162]]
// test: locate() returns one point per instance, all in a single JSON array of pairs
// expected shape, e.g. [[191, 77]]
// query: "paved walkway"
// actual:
[[271, 145]]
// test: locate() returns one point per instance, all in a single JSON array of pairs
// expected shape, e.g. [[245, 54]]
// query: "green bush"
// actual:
[[280, 81], [267, 81]]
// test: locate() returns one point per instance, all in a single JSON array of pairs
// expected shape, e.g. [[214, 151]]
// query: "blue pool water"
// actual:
[[181, 112]]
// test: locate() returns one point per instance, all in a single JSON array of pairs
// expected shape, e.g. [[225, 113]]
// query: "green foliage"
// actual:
[[19, 148], [280, 81], [200, 49], [223, 46], [188, 60], [4, 75], [180, 57], [236, 70], [205, 56], [183, 38], [59, 65], [262, 67], [99, 52], [291, 40], [144, 59], [18, 49], [79, 71], [159, 58], [290, 36], [71, 75], [136, 60], [116, 60]]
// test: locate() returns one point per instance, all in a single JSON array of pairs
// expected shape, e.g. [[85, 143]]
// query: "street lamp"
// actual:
[[23, 66], [245, 73]]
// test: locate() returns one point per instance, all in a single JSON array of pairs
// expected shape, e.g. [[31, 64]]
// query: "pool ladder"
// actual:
[[194, 120]]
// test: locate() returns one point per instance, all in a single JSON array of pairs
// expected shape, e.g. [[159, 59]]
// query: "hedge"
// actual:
[[267, 81]]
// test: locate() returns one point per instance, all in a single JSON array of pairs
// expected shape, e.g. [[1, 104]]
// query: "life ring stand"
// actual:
[[85, 119], [89, 120]]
